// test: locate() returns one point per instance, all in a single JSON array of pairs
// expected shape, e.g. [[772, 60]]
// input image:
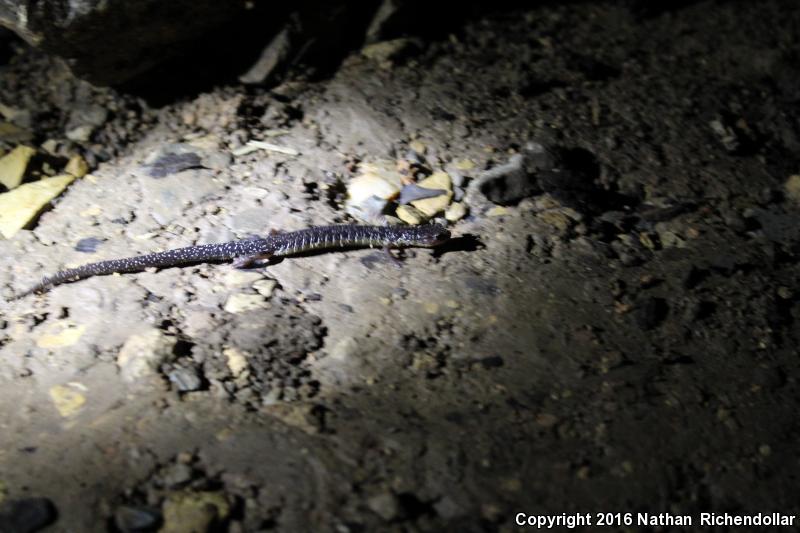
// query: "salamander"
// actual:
[[247, 252]]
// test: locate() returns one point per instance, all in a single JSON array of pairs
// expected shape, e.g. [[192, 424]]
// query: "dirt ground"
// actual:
[[624, 339]]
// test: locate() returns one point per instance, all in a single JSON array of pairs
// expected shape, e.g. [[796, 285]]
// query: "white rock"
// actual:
[[368, 193], [237, 362], [13, 166], [240, 303], [411, 215], [265, 287], [455, 212], [142, 354]]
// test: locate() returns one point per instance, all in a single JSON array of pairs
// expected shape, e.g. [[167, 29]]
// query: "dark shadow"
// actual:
[[219, 59], [7, 41], [322, 34], [576, 184], [464, 243]]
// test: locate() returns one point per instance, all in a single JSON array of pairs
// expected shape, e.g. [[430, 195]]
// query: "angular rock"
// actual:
[[431, 207], [455, 212], [19, 207], [13, 166], [265, 287], [77, 166], [413, 192], [369, 192]]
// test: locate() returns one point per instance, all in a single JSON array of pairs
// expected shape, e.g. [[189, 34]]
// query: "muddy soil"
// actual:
[[622, 339]]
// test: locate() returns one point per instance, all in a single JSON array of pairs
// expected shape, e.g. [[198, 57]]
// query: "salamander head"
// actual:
[[430, 235]]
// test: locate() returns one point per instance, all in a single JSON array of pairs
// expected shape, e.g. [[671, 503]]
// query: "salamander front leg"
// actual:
[[392, 257], [252, 261]]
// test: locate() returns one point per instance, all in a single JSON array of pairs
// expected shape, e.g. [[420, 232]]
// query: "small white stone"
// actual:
[[237, 362], [240, 303], [792, 188], [455, 212], [80, 134], [265, 287], [142, 354]]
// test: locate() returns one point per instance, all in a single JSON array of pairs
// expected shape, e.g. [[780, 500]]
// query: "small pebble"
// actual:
[[236, 360], [418, 147], [498, 211], [88, 245], [80, 134], [455, 212], [240, 303], [61, 334], [186, 379], [792, 188], [177, 474], [172, 163], [384, 505], [67, 400], [265, 287], [130, 519]]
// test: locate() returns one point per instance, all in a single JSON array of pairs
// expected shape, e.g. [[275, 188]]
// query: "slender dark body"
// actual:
[[248, 251]]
